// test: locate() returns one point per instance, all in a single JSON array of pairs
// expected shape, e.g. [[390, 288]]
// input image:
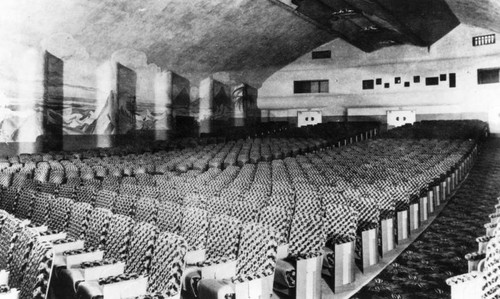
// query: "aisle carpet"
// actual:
[[438, 253]]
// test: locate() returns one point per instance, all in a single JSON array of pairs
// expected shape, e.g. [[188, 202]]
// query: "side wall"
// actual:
[[348, 67]]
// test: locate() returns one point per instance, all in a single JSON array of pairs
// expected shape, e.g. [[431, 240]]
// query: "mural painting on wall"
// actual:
[[53, 95], [18, 124], [146, 118], [126, 98], [221, 102], [181, 103], [244, 99], [84, 117]]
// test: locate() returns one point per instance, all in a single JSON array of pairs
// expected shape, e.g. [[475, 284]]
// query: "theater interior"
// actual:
[[249, 149]]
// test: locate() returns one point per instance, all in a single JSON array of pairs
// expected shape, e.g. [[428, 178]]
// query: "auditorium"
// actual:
[[249, 149]]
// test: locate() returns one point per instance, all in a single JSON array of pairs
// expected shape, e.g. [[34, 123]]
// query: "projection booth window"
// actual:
[[487, 76], [311, 86]]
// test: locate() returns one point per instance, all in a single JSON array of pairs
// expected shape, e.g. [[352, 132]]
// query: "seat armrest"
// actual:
[[475, 256], [37, 228], [195, 256], [95, 270], [219, 271], [124, 286], [51, 235], [4, 278], [254, 285], [252, 276], [282, 251], [458, 279], [212, 262], [61, 245], [73, 258], [306, 256], [8, 293]]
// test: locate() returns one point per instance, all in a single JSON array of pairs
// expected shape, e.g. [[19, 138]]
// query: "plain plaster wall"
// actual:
[[349, 66]]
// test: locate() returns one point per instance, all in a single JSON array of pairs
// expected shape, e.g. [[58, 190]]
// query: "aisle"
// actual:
[[438, 253]]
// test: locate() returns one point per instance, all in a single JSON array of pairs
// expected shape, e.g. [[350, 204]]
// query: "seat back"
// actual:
[[105, 199], [5, 179], [141, 248], [56, 176], [149, 191], [307, 234], [119, 234], [60, 212], [78, 220], [98, 222], [8, 235], [340, 223], [169, 216], [67, 191], [223, 237], [278, 218], [19, 254], [48, 187], [257, 250], [194, 227], [218, 206], [147, 210], [369, 212], [36, 279], [9, 199], [169, 194], [19, 180], [125, 204], [86, 194], [167, 265], [41, 208], [491, 272], [246, 211], [283, 201], [24, 203], [308, 201]]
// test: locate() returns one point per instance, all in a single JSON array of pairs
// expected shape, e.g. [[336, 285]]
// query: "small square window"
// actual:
[[453, 80], [432, 81], [379, 81], [416, 79], [442, 77], [397, 80], [407, 84], [387, 85], [368, 84]]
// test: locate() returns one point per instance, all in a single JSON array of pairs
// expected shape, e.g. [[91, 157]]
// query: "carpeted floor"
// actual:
[[438, 253]]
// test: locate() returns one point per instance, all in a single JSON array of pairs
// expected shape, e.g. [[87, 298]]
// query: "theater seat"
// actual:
[[482, 283], [138, 261], [222, 245], [298, 271], [251, 275]]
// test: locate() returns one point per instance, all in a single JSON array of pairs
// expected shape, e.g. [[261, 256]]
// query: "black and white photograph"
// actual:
[[249, 149]]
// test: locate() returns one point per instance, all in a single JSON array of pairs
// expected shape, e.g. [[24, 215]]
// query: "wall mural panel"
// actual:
[[181, 107], [126, 88], [21, 93], [53, 98], [89, 98], [221, 105], [244, 98]]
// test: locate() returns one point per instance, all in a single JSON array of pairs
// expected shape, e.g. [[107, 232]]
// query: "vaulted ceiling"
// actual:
[[250, 39]]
